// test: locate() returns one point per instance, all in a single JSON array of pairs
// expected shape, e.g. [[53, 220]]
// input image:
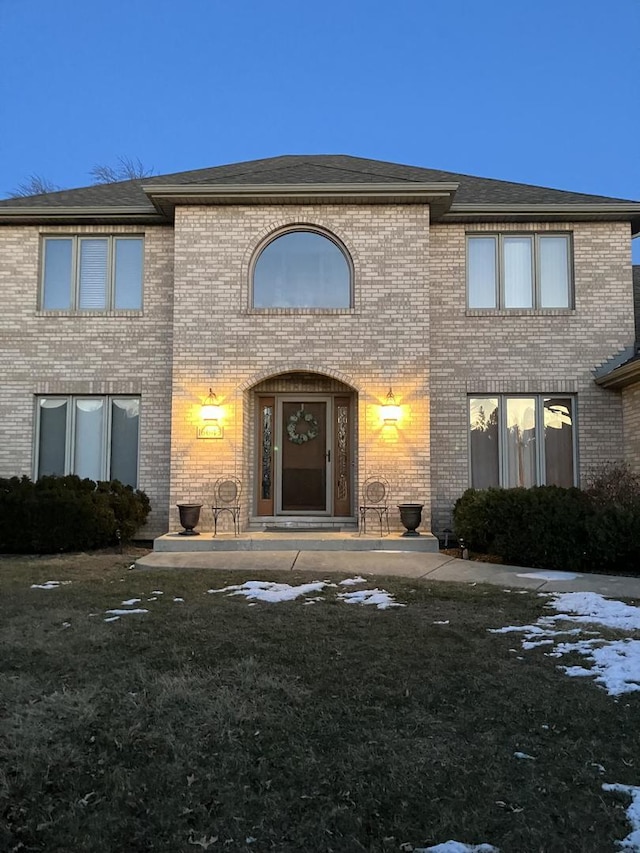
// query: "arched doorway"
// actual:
[[304, 447]]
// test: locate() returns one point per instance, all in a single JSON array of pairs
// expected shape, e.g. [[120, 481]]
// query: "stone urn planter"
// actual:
[[411, 517], [189, 518]]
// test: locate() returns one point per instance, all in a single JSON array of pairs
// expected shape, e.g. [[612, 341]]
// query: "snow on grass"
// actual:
[[457, 847], [117, 612], [178, 599], [352, 581], [378, 597], [524, 755], [131, 601], [441, 622], [592, 608], [632, 841], [272, 592], [157, 592], [49, 585], [614, 664]]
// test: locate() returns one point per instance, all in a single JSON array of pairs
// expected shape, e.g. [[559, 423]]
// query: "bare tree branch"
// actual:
[[34, 185], [126, 169]]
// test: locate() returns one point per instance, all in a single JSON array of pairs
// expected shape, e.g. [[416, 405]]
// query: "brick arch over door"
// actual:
[[283, 368]]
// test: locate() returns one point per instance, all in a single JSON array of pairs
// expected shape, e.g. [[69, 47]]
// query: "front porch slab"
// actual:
[[313, 541]]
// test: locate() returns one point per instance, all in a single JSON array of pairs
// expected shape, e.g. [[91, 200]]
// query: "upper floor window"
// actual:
[[519, 270], [302, 269], [94, 437], [92, 273]]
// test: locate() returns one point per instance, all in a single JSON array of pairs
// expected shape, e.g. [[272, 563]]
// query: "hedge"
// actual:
[[57, 514], [596, 529]]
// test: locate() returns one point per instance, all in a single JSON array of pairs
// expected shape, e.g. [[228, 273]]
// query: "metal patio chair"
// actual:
[[375, 498], [226, 496]]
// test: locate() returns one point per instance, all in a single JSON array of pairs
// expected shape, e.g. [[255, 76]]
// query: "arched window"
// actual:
[[302, 269]]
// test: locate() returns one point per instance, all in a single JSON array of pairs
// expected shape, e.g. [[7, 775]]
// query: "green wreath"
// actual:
[[302, 437]]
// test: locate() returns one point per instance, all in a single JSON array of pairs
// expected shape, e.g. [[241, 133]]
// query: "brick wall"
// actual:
[[94, 353], [528, 351], [631, 418], [219, 341]]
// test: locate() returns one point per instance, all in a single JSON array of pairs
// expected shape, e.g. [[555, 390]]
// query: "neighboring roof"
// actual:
[[468, 196], [618, 374]]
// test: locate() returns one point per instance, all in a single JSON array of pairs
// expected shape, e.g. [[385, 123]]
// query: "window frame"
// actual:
[[540, 466], [499, 286], [74, 284], [71, 428], [297, 229]]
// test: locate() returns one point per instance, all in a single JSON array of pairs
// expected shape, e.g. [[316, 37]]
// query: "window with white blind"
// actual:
[[92, 273], [94, 437], [519, 271]]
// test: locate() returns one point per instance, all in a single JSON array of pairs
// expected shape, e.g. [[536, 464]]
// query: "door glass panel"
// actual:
[[304, 462], [267, 453]]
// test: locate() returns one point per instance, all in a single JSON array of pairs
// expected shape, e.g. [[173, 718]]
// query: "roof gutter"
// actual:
[[626, 374], [624, 211]]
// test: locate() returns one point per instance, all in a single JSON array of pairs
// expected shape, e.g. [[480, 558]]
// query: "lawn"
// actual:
[[214, 722]]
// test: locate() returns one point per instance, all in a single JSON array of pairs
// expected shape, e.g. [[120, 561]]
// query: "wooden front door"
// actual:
[[304, 455]]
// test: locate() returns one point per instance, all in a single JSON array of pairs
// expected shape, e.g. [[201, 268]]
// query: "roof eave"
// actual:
[[621, 377], [438, 196], [46, 214], [597, 211]]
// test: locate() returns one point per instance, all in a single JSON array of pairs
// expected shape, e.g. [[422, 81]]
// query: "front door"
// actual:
[[304, 461], [304, 455]]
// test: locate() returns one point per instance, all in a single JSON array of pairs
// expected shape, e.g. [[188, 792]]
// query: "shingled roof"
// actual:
[[299, 170]]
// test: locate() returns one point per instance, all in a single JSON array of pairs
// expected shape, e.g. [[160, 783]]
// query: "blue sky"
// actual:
[[544, 93]]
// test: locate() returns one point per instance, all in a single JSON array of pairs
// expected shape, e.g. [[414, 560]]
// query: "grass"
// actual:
[[210, 724]]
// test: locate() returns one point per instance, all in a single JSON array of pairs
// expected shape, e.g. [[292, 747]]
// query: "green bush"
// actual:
[[67, 514], [592, 530]]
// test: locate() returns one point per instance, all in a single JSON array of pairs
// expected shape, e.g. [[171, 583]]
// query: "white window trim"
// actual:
[[76, 241], [535, 270], [70, 431], [541, 470]]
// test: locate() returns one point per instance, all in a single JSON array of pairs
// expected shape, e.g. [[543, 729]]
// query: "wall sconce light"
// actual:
[[211, 413], [390, 410]]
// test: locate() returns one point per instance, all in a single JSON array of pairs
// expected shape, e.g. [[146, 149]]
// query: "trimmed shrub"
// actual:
[[542, 527], [592, 530], [67, 514]]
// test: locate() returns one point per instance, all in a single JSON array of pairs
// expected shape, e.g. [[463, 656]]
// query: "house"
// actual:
[[254, 320]]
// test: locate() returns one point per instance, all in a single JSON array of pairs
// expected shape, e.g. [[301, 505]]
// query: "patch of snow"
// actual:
[[157, 592], [615, 663], [524, 755], [550, 576], [49, 585], [457, 847], [66, 624], [112, 619], [598, 767], [271, 592], [178, 599], [124, 612], [131, 601], [378, 597], [632, 841], [591, 607], [153, 598], [441, 622], [352, 581]]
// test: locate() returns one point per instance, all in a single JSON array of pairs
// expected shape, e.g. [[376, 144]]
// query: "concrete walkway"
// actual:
[[424, 566]]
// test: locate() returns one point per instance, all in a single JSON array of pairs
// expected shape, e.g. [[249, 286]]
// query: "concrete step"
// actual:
[[295, 541]]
